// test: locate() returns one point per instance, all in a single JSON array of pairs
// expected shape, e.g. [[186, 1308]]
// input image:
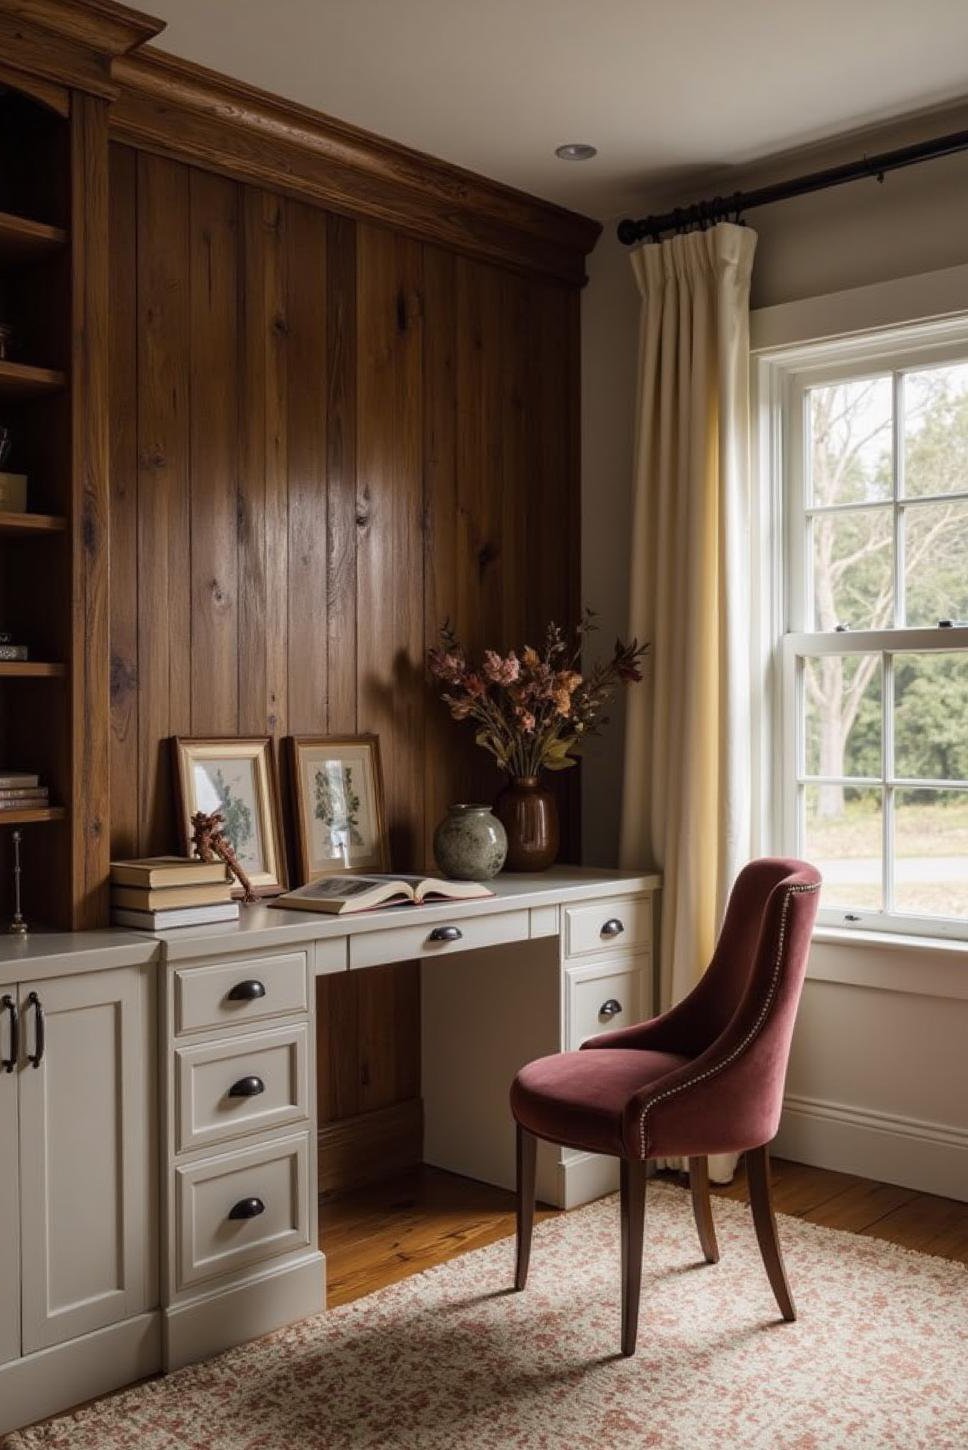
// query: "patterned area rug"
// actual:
[[449, 1358]]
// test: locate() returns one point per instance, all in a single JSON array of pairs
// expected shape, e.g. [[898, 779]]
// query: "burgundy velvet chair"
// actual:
[[705, 1077]]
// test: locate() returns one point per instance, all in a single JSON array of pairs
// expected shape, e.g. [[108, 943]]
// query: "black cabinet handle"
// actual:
[[445, 933], [36, 1057], [7, 1004], [247, 1087], [611, 1008], [247, 1208], [613, 927], [249, 991]]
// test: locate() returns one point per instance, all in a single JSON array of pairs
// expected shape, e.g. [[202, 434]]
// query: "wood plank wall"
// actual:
[[326, 439]]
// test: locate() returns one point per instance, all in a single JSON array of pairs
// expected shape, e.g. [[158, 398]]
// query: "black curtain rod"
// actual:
[[702, 214]]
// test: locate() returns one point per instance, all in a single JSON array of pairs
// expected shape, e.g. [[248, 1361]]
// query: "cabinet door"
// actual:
[[87, 1136], [9, 1193]]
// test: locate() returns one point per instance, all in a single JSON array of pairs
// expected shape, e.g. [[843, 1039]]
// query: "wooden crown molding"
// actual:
[[71, 42], [180, 109]]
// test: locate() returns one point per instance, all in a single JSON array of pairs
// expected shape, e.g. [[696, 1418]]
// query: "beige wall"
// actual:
[[877, 1080]]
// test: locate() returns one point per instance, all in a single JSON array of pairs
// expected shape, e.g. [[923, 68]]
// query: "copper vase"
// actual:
[[529, 814]]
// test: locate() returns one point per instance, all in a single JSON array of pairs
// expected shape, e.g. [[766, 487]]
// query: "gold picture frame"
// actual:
[[340, 818], [238, 777]]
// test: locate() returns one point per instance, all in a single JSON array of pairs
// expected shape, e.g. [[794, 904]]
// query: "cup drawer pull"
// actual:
[[247, 1208], [613, 927], [611, 1008], [247, 1087], [446, 933], [249, 991]]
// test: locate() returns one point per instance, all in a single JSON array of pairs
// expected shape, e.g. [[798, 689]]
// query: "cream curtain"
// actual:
[[686, 805]]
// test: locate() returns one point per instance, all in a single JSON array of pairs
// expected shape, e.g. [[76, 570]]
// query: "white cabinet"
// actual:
[[9, 1181], [85, 1086]]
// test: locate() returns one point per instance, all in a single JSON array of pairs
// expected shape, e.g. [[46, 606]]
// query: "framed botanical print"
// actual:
[[338, 792], [238, 778]]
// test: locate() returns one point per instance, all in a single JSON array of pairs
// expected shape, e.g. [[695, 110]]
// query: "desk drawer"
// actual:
[[265, 1188], [621, 993], [236, 993], [404, 943], [241, 1085], [624, 923]]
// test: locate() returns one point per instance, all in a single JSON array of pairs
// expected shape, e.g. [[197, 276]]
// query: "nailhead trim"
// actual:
[[753, 1032]]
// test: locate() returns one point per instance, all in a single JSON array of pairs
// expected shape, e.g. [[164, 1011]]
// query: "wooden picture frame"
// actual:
[[238, 777], [356, 842]]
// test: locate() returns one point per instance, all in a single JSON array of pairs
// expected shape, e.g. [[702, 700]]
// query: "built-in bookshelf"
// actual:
[[35, 539]]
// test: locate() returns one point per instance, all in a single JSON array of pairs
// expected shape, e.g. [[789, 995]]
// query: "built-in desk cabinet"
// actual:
[[158, 1178], [78, 1169]]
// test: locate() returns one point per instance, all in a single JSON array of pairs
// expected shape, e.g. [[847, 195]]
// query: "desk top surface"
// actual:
[[24, 958]]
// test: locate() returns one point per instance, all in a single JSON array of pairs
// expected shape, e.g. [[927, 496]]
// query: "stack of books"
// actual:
[[20, 791], [161, 892]]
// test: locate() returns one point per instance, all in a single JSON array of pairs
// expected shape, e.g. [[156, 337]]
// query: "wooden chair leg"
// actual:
[[633, 1182], [761, 1203], [527, 1153], [702, 1208]]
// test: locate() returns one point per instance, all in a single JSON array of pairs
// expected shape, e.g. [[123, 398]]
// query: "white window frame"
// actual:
[[781, 377]]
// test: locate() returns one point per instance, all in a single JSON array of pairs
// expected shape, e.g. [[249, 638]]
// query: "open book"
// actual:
[[362, 893]]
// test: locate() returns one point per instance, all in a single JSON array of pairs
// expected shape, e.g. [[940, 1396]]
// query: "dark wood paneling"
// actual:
[[327, 439], [124, 505], [164, 560]]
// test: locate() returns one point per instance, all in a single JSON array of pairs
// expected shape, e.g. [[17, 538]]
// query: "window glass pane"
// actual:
[[931, 852], [853, 569], [842, 715], [841, 836], [931, 716], [936, 430], [936, 562], [850, 442]]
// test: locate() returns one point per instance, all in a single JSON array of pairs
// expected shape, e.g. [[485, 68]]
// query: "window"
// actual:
[[873, 454]]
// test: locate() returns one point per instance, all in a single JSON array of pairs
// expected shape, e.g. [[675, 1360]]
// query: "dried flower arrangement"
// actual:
[[534, 709]]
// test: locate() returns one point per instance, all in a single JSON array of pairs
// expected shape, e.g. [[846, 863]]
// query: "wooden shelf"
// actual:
[[32, 817], [20, 380], [23, 240], [16, 524], [30, 670]]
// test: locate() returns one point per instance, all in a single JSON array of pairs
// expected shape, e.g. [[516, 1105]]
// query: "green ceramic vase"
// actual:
[[470, 843]]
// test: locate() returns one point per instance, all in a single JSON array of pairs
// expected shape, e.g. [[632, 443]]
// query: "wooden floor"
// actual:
[[377, 1235]]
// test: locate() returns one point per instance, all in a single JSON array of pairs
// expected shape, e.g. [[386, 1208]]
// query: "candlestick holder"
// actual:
[[18, 926]]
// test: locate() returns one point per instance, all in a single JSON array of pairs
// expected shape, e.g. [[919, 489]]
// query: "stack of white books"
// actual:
[[161, 892]]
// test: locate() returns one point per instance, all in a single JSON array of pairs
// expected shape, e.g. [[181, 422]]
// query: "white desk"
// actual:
[[200, 1222]]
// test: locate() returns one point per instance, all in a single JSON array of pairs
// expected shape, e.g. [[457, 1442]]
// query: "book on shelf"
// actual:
[[157, 871], [341, 895], [18, 779], [23, 792], [168, 898], [26, 803], [13, 653], [181, 916]]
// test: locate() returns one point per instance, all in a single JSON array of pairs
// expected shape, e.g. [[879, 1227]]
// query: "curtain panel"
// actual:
[[686, 804]]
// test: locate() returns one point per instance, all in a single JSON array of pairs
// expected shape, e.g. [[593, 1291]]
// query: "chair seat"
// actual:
[[578, 1098]]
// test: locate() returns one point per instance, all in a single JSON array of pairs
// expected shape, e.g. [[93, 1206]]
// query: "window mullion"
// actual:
[[887, 736], [897, 471]]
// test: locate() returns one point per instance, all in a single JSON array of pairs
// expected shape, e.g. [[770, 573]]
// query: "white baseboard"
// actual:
[[206, 1325], [929, 1157], [583, 1177], [65, 1375]]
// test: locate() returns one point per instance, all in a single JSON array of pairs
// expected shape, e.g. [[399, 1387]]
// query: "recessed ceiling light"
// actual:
[[576, 151]]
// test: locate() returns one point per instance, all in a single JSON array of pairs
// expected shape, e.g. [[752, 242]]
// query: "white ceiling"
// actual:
[[665, 91]]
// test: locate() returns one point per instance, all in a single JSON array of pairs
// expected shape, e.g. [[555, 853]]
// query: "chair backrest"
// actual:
[[737, 1023]]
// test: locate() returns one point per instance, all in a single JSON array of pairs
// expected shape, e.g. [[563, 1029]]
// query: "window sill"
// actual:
[[843, 936], [890, 962]]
